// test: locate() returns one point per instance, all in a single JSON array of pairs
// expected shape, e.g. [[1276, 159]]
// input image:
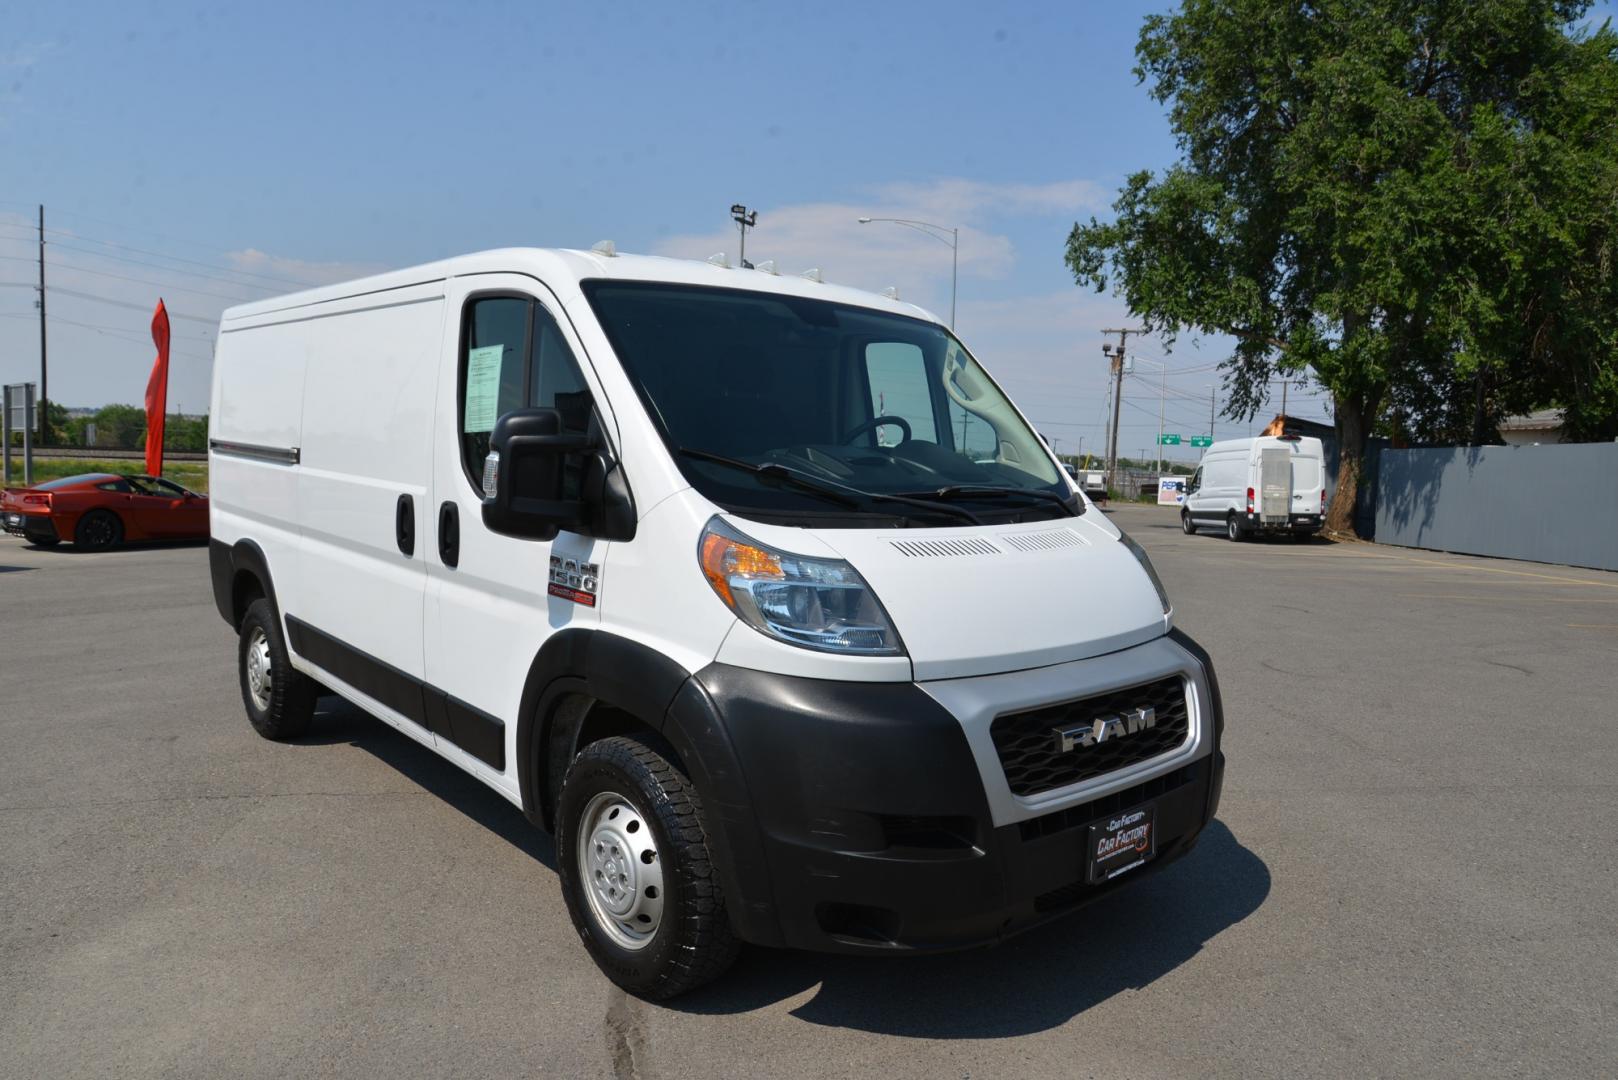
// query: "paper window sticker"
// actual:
[[482, 388]]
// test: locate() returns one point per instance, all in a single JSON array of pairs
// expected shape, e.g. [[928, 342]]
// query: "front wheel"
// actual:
[[1186, 524], [636, 870], [1233, 528]]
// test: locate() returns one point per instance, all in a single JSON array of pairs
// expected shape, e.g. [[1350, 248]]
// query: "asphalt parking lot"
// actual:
[[1414, 872]]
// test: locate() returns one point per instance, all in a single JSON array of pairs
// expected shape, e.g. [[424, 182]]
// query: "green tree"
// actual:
[[1413, 200], [122, 427]]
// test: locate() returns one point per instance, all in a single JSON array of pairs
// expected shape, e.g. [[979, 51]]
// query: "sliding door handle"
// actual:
[[404, 526]]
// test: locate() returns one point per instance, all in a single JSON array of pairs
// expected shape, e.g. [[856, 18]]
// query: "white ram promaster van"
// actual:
[[757, 591], [1267, 485]]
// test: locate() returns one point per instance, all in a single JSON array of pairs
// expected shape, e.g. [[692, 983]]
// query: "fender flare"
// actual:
[[225, 562], [602, 665], [644, 683]]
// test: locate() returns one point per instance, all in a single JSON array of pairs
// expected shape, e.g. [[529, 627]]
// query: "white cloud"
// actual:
[[263, 265]]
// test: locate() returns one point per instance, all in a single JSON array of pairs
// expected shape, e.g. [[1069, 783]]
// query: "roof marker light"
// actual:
[[718, 259], [606, 249], [891, 292], [812, 275], [767, 266]]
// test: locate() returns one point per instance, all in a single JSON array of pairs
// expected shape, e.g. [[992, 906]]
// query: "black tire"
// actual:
[[42, 541], [1233, 528], [1187, 526], [691, 942], [284, 707], [98, 530]]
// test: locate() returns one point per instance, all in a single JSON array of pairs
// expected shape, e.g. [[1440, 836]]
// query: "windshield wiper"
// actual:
[[845, 494], [972, 491]]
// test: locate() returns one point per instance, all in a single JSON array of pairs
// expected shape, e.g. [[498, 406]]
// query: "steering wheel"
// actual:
[[880, 421]]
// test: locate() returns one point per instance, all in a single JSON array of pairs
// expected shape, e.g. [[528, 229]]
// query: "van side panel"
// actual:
[[369, 395], [255, 427]]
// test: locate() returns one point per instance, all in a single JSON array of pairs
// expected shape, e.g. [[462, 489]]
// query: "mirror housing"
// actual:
[[524, 492], [526, 480]]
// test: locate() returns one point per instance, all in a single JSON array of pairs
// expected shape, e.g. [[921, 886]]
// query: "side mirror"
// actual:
[[524, 478]]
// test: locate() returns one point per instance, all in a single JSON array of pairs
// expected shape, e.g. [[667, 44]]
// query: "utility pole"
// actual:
[[44, 384], [1162, 389], [746, 219], [1210, 411], [1283, 403], [1117, 358]]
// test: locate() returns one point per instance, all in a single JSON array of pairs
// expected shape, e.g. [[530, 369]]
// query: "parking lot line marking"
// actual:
[[1502, 570], [1511, 599]]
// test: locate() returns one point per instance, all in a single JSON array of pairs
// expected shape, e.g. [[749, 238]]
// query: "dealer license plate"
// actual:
[[14, 520], [1121, 842]]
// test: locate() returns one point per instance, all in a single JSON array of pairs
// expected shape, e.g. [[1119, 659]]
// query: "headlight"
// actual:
[[1140, 553], [814, 603]]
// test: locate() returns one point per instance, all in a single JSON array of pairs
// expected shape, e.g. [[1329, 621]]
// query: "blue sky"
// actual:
[[276, 144]]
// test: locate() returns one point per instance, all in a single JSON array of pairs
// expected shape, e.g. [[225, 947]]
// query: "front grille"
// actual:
[[1031, 754]]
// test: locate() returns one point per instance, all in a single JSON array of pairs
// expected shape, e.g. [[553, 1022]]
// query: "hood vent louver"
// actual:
[[1043, 541], [944, 548]]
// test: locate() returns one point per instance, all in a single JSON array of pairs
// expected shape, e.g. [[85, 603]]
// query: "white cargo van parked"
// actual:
[[1268, 485], [757, 591]]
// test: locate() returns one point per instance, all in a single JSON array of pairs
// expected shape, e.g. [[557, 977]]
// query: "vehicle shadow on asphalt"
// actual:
[[338, 721], [127, 547], [1040, 980]]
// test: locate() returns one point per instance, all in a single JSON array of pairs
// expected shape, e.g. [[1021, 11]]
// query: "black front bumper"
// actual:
[[29, 526], [852, 818]]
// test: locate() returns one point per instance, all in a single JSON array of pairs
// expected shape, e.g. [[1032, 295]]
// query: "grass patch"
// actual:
[[188, 474]]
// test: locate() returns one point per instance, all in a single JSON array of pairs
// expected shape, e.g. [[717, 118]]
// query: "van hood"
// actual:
[[978, 601]]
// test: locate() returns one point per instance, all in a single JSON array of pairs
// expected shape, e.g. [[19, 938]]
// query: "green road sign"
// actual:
[[1169, 440], [1202, 440]]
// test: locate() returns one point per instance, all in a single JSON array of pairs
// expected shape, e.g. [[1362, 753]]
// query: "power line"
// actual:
[[58, 290], [298, 282], [146, 281]]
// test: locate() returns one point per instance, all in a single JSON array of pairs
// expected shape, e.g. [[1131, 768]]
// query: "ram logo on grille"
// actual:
[[1103, 728]]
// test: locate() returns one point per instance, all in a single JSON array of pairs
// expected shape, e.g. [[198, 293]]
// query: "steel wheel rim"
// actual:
[[620, 871], [260, 676]]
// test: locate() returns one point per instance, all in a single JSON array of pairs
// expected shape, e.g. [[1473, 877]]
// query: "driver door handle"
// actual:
[[449, 535]]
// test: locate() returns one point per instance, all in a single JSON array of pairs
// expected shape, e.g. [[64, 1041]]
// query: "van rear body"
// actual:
[[757, 591], [1270, 485]]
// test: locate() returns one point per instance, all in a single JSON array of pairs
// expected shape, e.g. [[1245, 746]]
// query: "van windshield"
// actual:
[[861, 401]]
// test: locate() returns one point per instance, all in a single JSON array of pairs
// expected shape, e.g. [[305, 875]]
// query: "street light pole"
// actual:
[[937, 233]]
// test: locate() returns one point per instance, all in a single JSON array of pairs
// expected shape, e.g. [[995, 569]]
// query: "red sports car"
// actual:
[[100, 510]]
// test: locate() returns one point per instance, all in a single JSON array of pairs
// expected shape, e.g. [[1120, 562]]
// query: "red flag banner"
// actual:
[[157, 392]]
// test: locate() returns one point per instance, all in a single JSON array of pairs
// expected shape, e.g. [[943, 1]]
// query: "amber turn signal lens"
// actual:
[[723, 558]]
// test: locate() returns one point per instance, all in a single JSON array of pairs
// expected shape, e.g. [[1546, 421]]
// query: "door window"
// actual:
[[513, 355], [897, 373]]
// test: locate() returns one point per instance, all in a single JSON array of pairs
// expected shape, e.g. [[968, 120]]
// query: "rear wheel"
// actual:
[[98, 530], [280, 701], [1186, 524], [42, 541], [1233, 528], [636, 870]]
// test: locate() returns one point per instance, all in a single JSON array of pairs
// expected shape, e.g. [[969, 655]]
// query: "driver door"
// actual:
[[489, 603]]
